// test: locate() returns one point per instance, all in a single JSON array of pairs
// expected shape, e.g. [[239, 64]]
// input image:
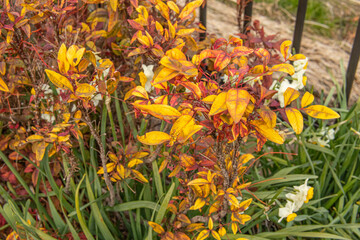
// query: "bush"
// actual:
[[118, 122]]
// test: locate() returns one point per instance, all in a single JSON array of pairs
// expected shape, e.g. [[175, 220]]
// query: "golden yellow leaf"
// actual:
[[113, 5], [194, 88], [219, 104], [222, 231], [161, 111], [209, 99], [84, 90], [234, 227], [2, 68], [284, 48], [290, 95], [189, 8], [233, 200], [59, 80], [284, 67], [246, 157], [109, 167], [173, 6], [78, 55], [143, 79], [321, 112], [179, 124], [199, 203], [133, 162], [268, 133], [244, 205], [175, 171], [163, 8], [198, 181], [295, 119], [70, 54], [34, 138], [139, 176], [210, 224], [62, 60], [3, 86], [297, 57], [267, 115], [39, 149], [215, 235], [165, 74], [185, 31], [156, 227], [243, 218], [236, 102], [159, 28], [188, 132], [194, 226], [138, 91], [307, 99], [154, 138]]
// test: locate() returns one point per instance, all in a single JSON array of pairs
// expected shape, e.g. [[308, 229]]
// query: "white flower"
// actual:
[[300, 64], [296, 200], [298, 79], [149, 74], [287, 211]]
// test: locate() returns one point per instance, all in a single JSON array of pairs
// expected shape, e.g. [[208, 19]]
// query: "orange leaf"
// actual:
[[59, 80], [295, 119], [241, 51], [156, 227], [321, 112], [3, 86], [194, 88], [137, 51], [163, 9], [175, 171], [244, 205], [161, 111], [267, 132], [284, 67], [221, 61], [284, 48], [307, 99], [219, 104], [189, 8], [290, 95], [236, 102], [154, 138]]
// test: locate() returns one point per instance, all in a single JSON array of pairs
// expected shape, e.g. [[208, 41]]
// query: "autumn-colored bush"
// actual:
[[115, 114]]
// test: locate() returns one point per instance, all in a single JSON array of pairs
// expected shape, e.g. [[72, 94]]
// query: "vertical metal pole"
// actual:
[[353, 62], [247, 15], [299, 24], [203, 19]]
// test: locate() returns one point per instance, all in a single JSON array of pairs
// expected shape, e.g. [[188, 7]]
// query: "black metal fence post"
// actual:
[[299, 24], [203, 19], [247, 15], [353, 62]]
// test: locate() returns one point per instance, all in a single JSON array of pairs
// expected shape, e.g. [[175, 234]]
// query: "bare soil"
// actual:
[[324, 54]]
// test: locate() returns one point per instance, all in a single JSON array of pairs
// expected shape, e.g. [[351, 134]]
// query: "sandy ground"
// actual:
[[324, 54]]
